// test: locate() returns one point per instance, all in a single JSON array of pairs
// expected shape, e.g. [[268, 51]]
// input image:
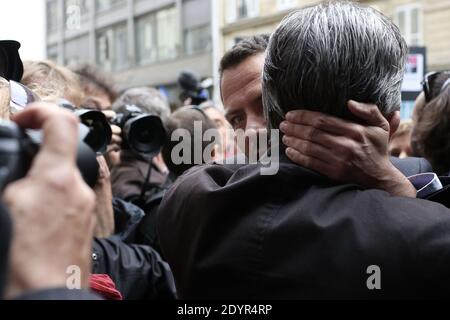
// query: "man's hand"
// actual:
[[116, 141], [52, 208], [346, 151], [113, 154]]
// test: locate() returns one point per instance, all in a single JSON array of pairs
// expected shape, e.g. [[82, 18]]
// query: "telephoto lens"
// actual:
[[100, 133], [18, 148], [143, 134]]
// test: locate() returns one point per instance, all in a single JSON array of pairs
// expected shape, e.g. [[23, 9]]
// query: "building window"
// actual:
[[105, 5], [52, 17], [197, 39], [241, 9], [409, 20], [76, 51], [157, 36], [146, 39], [112, 47], [168, 33], [285, 4], [52, 53]]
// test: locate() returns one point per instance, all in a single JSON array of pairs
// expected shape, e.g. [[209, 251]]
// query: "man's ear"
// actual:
[[215, 152], [394, 123]]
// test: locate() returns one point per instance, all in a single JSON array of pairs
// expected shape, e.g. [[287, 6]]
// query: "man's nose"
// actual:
[[256, 123]]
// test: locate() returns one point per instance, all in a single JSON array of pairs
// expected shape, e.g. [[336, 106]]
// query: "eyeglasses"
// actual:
[[428, 82]]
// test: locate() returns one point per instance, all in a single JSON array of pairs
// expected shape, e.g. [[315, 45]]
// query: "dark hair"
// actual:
[[242, 50], [185, 118], [432, 132], [91, 76], [321, 57]]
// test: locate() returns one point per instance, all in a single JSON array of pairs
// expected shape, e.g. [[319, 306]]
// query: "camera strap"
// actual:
[[146, 182]]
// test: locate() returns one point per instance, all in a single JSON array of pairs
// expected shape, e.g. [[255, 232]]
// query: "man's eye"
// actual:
[[237, 121], [395, 153]]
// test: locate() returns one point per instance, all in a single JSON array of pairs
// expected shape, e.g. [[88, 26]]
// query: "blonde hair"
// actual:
[[52, 82]]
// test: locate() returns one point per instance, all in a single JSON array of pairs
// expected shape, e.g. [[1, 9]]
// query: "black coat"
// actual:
[[129, 178], [229, 232], [137, 270]]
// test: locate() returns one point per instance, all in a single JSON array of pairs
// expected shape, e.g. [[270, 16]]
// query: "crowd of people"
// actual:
[[355, 186]]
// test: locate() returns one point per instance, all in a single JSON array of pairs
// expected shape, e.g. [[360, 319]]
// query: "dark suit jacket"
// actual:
[[128, 178], [229, 232]]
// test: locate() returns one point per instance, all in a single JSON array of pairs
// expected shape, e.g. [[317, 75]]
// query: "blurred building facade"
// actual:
[[424, 23], [142, 42], [148, 42]]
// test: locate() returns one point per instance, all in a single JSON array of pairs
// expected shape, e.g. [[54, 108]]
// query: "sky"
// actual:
[[24, 21]]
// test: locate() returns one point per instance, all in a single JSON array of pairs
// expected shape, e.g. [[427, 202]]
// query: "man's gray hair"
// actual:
[[149, 100], [321, 57]]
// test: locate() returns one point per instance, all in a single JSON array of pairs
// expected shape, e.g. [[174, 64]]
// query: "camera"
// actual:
[[193, 89], [18, 148], [100, 133], [142, 133]]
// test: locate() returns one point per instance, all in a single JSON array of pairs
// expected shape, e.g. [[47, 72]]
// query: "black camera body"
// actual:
[[100, 134], [18, 149], [142, 133]]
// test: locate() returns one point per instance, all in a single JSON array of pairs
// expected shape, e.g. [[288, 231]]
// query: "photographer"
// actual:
[[99, 94], [129, 178], [193, 91], [58, 84], [137, 271], [184, 119], [54, 199]]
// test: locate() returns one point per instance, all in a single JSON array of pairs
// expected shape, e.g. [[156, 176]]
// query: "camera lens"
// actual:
[[145, 135], [100, 133]]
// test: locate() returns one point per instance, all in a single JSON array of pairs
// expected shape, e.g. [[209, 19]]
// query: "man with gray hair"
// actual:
[[316, 62], [129, 178], [360, 61], [229, 232], [149, 100]]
